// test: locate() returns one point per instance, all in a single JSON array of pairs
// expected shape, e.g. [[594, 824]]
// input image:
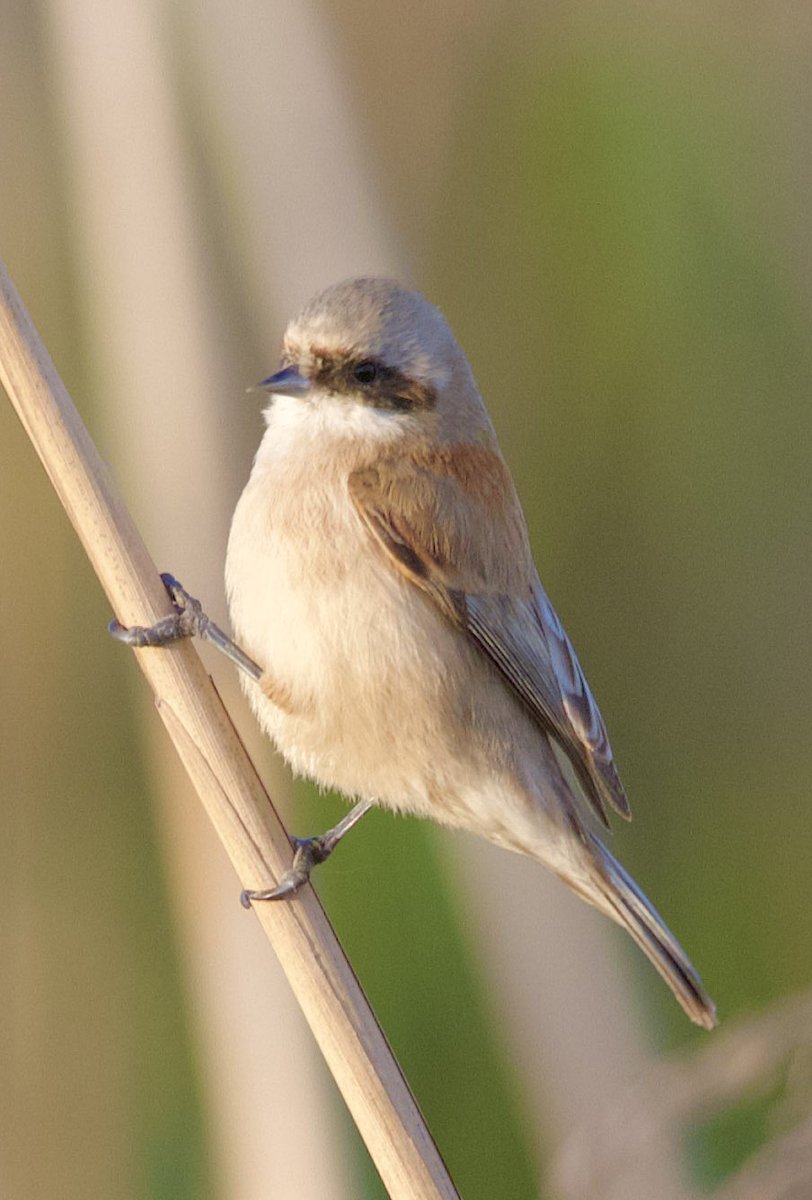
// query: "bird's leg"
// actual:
[[309, 853], [187, 620]]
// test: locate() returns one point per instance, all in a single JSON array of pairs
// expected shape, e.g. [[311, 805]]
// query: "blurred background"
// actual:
[[610, 203]]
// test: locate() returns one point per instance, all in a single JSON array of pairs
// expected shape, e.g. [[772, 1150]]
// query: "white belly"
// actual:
[[365, 658]]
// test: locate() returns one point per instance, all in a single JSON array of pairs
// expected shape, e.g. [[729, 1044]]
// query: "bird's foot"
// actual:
[[309, 852], [188, 620]]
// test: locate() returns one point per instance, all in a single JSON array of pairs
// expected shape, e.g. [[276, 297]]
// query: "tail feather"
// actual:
[[627, 904]]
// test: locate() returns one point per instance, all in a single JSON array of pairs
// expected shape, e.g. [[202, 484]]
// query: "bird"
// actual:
[[396, 642]]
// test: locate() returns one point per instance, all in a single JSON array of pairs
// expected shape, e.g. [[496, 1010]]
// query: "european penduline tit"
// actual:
[[402, 649]]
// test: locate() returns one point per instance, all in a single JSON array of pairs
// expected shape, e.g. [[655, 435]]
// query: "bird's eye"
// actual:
[[365, 372]]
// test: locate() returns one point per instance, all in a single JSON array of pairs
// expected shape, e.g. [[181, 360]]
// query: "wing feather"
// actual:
[[579, 703], [433, 523]]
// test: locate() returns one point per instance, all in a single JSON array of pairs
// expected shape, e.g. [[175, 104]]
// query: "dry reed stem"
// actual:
[[321, 977]]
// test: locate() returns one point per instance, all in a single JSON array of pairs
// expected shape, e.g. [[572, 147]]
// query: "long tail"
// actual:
[[627, 905]]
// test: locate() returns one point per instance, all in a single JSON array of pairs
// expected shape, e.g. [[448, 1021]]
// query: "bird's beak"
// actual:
[[287, 382]]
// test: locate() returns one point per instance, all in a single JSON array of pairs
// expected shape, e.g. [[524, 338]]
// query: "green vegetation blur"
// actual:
[[620, 244]]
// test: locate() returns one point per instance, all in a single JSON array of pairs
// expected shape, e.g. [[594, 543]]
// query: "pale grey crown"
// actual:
[[379, 318]]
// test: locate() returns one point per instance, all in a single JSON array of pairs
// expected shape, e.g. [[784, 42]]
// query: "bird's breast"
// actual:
[[364, 661], [295, 561]]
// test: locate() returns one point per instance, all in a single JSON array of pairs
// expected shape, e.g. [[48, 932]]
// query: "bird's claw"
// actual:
[[309, 853], [187, 620]]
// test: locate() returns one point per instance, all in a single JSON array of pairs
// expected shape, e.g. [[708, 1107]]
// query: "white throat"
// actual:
[[322, 420]]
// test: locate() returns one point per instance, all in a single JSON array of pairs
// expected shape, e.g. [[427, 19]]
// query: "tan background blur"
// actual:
[[610, 203]]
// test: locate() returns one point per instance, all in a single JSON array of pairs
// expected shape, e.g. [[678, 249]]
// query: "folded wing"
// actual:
[[452, 525]]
